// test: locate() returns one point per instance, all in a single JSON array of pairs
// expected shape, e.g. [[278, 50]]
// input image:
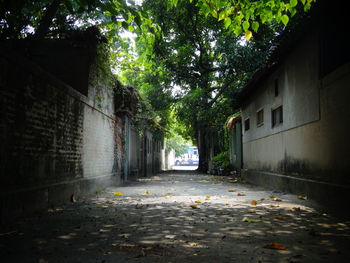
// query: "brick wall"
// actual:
[[54, 141]]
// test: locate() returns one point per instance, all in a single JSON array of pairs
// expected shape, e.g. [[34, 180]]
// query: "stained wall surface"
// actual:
[[56, 142]]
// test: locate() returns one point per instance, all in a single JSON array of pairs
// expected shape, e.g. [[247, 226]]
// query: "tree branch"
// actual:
[[46, 20]]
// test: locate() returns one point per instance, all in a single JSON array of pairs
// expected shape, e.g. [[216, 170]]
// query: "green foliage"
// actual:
[[189, 61], [57, 18], [177, 143], [221, 161], [241, 16], [208, 64]]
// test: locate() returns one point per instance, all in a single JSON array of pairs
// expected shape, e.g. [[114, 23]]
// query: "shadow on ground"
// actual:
[[180, 217]]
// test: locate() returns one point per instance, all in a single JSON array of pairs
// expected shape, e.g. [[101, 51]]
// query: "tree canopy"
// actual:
[[190, 58]]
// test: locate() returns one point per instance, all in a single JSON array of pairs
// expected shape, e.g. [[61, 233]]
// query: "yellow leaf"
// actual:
[[248, 35], [272, 196], [275, 245], [118, 193], [198, 201], [147, 193], [301, 197], [194, 206], [254, 202], [101, 206], [170, 195], [207, 197], [221, 213]]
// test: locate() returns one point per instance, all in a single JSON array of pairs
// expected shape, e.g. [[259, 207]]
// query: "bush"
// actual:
[[221, 161]]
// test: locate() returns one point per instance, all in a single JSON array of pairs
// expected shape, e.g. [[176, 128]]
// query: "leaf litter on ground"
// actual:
[[275, 245]]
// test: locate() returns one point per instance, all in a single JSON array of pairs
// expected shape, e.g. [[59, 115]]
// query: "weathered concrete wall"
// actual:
[[298, 87], [148, 137], [167, 159], [311, 144], [135, 152], [55, 142]]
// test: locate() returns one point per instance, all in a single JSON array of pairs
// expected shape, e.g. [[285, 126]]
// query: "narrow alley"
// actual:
[[180, 216]]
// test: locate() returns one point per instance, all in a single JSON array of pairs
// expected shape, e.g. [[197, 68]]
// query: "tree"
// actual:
[[56, 18], [195, 46], [208, 63], [247, 16]]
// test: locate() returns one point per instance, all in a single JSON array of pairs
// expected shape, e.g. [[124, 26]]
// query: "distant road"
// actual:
[[185, 167]]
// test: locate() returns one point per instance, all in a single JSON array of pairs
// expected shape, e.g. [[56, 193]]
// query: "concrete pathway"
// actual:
[[180, 217]]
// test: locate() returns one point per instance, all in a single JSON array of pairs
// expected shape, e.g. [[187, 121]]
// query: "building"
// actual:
[[296, 112]]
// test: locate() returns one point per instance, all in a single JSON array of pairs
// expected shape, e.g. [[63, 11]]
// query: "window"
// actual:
[[277, 116], [260, 118], [246, 124], [276, 87]]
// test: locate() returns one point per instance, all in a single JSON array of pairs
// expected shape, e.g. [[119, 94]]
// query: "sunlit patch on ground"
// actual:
[[181, 217]]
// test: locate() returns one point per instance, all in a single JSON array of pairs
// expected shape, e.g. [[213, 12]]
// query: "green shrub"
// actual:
[[221, 160]]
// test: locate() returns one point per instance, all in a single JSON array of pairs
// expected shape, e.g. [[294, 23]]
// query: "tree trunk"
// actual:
[[202, 150]]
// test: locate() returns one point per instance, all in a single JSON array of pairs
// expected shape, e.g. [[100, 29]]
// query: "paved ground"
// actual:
[[180, 217]]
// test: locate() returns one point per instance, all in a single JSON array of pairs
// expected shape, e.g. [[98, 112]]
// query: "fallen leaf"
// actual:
[[240, 194], [139, 206], [147, 193], [222, 213], [208, 197], [272, 196], [170, 195], [279, 217], [110, 202], [275, 245], [302, 197], [194, 206], [296, 209], [277, 199], [118, 193], [254, 202], [232, 190], [262, 199], [101, 206], [198, 201], [192, 244]]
